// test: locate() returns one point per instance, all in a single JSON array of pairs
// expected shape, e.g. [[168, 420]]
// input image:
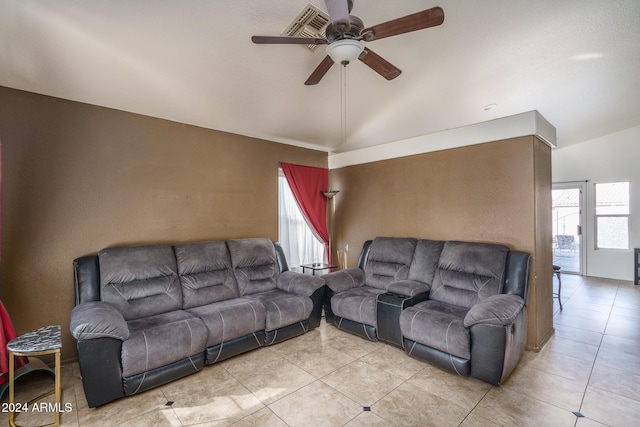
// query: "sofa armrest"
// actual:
[[500, 310], [97, 319], [340, 281], [408, 288], [298, 283]]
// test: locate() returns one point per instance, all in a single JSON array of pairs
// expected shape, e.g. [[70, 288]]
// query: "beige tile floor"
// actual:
[[330, 378]]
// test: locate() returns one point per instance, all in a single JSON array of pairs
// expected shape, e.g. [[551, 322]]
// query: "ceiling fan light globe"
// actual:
[[343, 51]]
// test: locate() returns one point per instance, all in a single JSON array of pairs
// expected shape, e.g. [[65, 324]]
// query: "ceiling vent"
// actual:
[[311, 22]]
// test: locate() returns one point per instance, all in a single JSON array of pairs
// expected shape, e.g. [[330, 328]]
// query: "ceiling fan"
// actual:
[[346, 33]]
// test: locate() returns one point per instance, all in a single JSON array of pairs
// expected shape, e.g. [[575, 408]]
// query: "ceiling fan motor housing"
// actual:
[[334, 32]]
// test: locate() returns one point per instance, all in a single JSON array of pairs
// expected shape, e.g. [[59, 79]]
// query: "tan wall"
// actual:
[[489, 192], [77, 178]]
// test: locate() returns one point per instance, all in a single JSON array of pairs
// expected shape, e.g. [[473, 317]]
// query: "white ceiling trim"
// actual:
[[523, 124]]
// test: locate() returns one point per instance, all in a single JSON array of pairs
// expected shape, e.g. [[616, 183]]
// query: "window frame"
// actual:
[[597, 216]]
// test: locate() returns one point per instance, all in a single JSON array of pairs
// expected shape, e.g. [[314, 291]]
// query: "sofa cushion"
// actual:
[[437, 325], [388, 261], [357, 304], [283, 308], [161, 339], [469, 272], [205, 273], [230, 319], [254, 264], [425, 260], [140, 281]]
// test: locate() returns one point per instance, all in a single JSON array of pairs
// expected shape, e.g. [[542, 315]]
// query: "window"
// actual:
[[612, 215], [299, 243]]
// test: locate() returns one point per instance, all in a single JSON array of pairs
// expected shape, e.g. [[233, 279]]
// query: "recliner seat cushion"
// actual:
[[230, 319], [205, 273], [254, 264], [160, 340], [388, 261], [140, 281], [283, 308], [357, 304], [438, 325], [469, 272]]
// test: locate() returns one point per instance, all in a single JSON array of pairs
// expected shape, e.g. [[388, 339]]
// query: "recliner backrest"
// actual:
[[425, 260], [388, 261], [254, 264], [206, 274], [469, 272], [140, 281]]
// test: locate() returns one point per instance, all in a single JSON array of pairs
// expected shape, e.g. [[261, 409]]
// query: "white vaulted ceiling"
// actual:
[[577, 62]]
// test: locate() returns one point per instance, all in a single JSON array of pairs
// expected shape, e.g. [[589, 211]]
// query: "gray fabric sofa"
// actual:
[[147, 315], [458, 305]]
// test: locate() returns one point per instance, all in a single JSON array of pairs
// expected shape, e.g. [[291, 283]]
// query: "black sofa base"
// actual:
[[219, 352], [99, 361], [439, 358], [156, 377], [360, 329], [283, 334]]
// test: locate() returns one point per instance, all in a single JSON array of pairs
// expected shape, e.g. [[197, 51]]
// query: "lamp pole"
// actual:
[[330, 194]]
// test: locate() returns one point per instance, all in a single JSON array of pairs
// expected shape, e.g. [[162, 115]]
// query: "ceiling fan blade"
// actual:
[[339, 13], [320, 71], [379, 64], [288, 40], [417, 21]]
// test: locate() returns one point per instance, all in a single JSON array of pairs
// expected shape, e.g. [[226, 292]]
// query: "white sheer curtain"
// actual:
[[299, 243]]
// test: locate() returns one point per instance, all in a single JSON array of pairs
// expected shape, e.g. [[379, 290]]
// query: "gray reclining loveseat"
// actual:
[[148, 315], [458, 305]]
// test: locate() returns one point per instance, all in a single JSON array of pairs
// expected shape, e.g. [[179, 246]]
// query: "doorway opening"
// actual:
[[568, 240]]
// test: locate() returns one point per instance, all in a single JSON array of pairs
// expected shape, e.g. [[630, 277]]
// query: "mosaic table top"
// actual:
[[43, 339]]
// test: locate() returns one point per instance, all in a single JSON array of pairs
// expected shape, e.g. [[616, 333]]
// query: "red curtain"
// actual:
[[307, 184]]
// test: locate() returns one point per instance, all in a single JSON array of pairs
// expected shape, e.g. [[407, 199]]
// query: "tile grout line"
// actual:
[[476, 405], [596, 357], [254, 395], [182, 424]]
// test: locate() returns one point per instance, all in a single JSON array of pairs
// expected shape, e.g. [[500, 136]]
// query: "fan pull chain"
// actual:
[[343, 91]]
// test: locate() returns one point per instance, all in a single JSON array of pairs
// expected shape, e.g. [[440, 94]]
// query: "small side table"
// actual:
[[42, 341], [317, 267]]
